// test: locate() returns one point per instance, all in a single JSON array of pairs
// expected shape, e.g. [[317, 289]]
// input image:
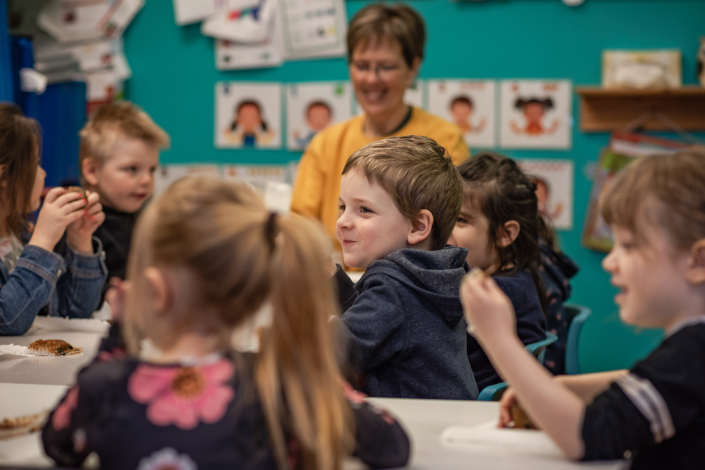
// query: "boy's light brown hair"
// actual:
[[417, 173], [396, 23], [675, 183], [112, 121]]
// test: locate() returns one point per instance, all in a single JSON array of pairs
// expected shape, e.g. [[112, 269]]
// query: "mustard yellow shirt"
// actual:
[[317, 185]]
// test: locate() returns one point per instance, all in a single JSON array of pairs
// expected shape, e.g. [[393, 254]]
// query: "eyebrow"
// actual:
[[357, 199]]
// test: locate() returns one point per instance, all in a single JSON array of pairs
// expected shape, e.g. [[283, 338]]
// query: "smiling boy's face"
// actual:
[[370, 226]]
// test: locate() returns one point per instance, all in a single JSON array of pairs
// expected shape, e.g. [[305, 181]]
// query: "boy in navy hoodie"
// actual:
[[399, 201]]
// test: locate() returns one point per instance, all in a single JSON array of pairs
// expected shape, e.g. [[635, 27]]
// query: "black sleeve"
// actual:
[[344, 288], [662, 395], [380, 442]]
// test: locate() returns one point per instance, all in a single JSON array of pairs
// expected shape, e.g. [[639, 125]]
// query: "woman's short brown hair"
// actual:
[[417, 173], [676, 183], [398, 23]]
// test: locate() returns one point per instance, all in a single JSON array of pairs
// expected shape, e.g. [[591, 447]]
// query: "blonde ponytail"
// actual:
[[239, 255], [297, 353]]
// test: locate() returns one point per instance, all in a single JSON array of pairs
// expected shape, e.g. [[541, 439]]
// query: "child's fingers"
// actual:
[[92, 197], [94, 209], [68, 198], [507, 401], [53, 194], [74, 206]]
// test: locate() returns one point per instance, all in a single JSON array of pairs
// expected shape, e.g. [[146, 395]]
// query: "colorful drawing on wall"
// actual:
[[468, 103], [248, 115], [311, 107], [415, 95], [554, 189], [597, 235], [535, 114], [167, 174]]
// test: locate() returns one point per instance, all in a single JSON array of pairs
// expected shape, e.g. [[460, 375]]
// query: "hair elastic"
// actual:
[[269, 229]]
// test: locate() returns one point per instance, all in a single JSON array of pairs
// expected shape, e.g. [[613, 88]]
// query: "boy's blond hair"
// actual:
[[418, 174], [99, 135]]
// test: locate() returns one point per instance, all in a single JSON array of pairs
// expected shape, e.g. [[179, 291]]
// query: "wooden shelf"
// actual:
[[605, 110]]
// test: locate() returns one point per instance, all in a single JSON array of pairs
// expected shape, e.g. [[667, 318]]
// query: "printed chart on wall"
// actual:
[[311, 107], [535, 114], [468, 103], [554, 189], [313, 28], [248, 115], [415, 96]]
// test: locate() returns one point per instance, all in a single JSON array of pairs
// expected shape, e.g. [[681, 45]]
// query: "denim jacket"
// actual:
[[68, 286]]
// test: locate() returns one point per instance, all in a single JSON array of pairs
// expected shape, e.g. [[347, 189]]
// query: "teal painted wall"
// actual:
[[174, 76]]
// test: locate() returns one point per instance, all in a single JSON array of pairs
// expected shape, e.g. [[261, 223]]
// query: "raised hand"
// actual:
[[79, 233], [60, 209], [486, 307]]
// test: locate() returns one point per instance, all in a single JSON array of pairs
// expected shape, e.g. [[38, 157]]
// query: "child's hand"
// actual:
[[79, 233], [486, 308], [509, 399], [115, 296], [60, 208]]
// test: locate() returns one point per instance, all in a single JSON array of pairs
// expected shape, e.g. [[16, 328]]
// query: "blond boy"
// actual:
[[399, 201], [118, 155]]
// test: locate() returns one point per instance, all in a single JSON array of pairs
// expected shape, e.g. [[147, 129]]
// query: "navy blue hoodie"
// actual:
[[406, 327], [531, 323]]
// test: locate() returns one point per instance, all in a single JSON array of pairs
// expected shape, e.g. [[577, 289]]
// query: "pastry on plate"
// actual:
[[53, 347], [20, 425]]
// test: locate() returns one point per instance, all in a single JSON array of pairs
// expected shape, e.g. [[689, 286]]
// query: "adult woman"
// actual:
[[385, 49]]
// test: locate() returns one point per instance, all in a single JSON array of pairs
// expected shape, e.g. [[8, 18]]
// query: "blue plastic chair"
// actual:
[[577, 315], [538, 349]]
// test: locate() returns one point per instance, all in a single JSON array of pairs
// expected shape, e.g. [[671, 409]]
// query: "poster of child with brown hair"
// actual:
[[535, 114], [311, 107], [469, 104], [248, 115]]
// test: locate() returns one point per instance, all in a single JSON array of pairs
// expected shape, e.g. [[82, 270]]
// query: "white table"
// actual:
[[29, 385], [425, 421], [84, 334]]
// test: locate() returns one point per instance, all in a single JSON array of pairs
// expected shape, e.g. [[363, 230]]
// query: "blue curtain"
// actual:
[[6, 88]]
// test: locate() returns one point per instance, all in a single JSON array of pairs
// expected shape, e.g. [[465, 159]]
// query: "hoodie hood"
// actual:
[[559, 268], [434, 275]]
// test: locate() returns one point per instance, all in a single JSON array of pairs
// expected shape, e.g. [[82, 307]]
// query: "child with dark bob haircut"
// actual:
[[499, 225]]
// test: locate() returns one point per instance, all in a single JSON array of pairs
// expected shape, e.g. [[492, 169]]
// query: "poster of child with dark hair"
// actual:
[[311, 107], [470, 104], [536, 114], [248, 115], [554, 189]]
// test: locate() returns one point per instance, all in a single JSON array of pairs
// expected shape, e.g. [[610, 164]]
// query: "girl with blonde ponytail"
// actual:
[[207, 258]]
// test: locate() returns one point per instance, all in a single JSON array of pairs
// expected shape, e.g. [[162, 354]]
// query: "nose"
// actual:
[[343, 221]]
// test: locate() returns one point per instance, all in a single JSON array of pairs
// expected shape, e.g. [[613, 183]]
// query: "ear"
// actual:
[[89, 170], [415, 67], [161, 296], [421, 230], [510, 232], [696, 264]]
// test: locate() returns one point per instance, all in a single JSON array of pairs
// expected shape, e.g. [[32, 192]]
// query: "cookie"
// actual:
[[20, 425], [521, 421], [53, 347], [77, 189]]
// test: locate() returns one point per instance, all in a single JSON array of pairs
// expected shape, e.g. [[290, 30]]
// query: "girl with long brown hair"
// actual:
[[32, 276], [207, 258]]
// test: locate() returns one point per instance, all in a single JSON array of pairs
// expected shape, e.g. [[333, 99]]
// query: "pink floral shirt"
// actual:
[[147, 416]]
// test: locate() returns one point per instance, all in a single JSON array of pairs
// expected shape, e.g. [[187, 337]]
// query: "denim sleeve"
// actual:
[[79, 289], [28, 289]]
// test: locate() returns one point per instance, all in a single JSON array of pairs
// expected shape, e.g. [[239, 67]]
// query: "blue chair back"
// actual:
[[577, 315], [537, 349]]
